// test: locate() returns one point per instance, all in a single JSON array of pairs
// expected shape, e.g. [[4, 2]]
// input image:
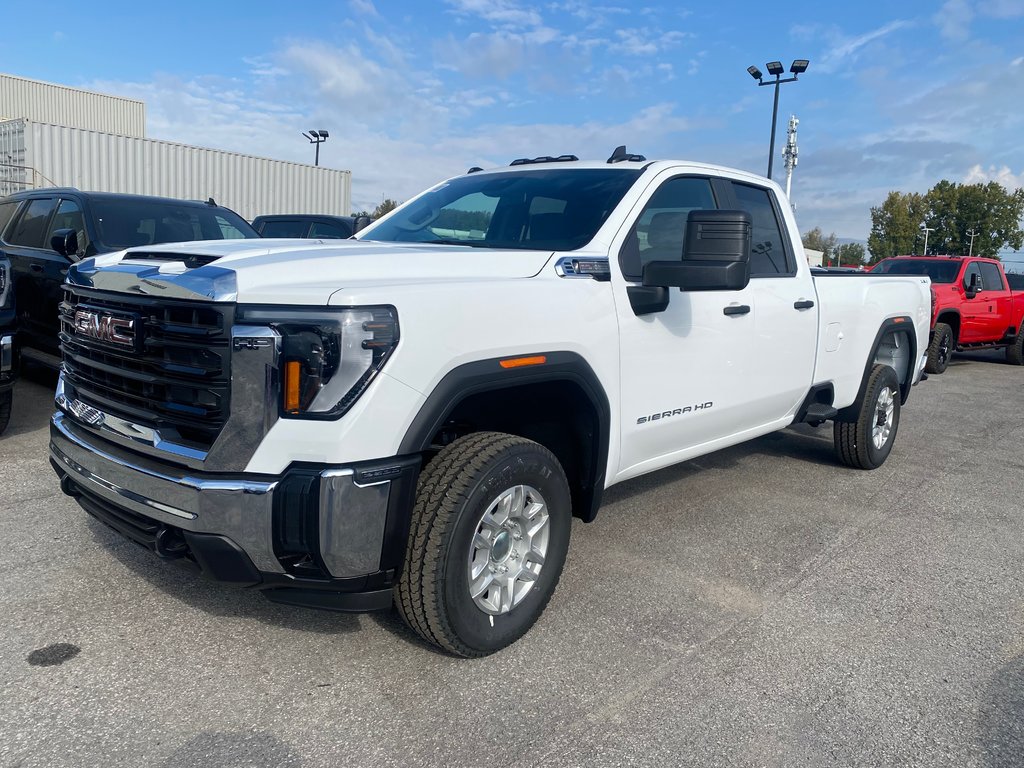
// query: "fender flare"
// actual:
[[488, 376], [902, 324]]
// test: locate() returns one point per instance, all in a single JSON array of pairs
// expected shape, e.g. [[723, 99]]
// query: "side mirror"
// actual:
[[716, 254], [972, 286], [361, 222], [65, 242]]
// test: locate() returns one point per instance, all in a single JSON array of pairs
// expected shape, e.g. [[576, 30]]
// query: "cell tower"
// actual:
[[790, 152]]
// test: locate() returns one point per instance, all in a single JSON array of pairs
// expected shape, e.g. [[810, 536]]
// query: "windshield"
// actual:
[[939, 271], [549, 209], [127, 223]]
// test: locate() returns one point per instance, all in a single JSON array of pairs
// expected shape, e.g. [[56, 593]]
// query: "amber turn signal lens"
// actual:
[[520, 362], [292, 377]]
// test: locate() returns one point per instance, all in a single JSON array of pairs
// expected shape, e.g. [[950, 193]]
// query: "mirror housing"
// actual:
[[715, 257], [361, 222], [65, 242], [972, 287]]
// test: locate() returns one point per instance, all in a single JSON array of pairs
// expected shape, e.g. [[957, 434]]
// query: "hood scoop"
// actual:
[[190, 260]]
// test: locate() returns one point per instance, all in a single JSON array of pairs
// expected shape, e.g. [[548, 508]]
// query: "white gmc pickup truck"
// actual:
[[414, 415]]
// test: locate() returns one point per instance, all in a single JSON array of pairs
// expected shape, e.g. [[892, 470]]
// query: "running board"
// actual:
[[819, 413]]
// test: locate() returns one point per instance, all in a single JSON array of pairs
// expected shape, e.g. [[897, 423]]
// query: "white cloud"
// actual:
[[645, 41], [977, 174], [363, 7], [500, 13], [954, 19], [1002, 9], [844, 50]]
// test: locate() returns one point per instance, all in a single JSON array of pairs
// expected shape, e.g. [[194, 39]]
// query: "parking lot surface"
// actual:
[[761, 606]]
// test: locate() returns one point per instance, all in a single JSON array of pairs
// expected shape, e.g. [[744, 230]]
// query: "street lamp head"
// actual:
[[324, 134], [775, 68], [754, 72], [799, 66]]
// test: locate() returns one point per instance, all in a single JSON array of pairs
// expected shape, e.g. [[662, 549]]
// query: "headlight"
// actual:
[[5, 283], [328, 357]]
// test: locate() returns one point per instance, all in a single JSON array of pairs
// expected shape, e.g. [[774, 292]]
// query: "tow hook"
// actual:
[[169, 543], [68, 487]]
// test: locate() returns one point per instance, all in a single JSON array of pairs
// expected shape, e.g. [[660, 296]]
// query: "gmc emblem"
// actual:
[[113, 329]]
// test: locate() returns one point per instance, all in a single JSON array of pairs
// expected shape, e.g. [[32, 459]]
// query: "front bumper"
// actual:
[[6, 361], [329, 537]]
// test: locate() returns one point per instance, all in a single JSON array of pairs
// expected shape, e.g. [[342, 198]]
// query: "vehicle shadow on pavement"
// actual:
[[33, 400], [1000, 733], [801, 442], [184, 583]]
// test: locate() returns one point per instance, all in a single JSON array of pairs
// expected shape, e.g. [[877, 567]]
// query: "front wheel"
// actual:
[[867, 442], [490, 532], [939, 349], [1015, 352]]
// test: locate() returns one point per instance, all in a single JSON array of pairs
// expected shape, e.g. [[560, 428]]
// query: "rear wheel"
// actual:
[[940, 348], [867, 442], [490, 532], [1015, 352]]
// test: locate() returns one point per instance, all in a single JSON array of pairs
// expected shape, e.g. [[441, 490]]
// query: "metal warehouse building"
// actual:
[[51, 135]]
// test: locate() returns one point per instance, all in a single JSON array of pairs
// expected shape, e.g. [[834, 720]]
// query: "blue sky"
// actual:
[[897, 96]]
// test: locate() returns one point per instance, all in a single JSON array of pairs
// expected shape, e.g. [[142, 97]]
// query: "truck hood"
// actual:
[[295, 271]]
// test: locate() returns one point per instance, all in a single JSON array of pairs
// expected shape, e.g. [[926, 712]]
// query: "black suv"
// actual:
[[43, 231], [304, 225], [6, 342]]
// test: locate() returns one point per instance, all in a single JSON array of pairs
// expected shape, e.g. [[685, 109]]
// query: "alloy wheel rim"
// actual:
[[509, 546], [885, 409]]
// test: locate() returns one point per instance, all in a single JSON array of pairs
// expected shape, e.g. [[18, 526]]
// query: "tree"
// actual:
[[385, 207], [895, 225], [850, 254], [951, 211], [816, 241]]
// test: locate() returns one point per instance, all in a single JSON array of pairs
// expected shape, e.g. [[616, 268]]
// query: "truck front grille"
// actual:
[[165, 365]]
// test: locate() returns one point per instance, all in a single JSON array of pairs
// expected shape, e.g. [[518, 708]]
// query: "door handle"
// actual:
[[36, 267], [736, 309], [803, 304]]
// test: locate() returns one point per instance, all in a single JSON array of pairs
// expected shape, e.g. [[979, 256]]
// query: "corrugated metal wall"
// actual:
[[60, 105], [54, 155]]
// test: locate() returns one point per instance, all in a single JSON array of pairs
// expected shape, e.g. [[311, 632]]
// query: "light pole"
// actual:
[[318, 138], [973, 234], [926, 230], [797, 68]]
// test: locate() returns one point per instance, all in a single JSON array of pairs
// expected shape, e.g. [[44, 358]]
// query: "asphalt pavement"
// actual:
[[761, 606]]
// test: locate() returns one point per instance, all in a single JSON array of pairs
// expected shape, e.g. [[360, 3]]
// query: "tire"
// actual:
[[453, 536], [5, 409], [855, 441], [1015, 352], [939, 349]]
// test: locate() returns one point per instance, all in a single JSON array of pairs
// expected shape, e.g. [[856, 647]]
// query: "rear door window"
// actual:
[[29, 229], [991, 280], [284, 228], [7, 210]]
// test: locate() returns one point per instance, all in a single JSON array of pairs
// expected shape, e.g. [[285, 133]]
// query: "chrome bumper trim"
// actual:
[[6, 353], [242, 510], [352, 516]]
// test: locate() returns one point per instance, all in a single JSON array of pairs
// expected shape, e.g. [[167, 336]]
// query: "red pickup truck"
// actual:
[[973, 307]]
